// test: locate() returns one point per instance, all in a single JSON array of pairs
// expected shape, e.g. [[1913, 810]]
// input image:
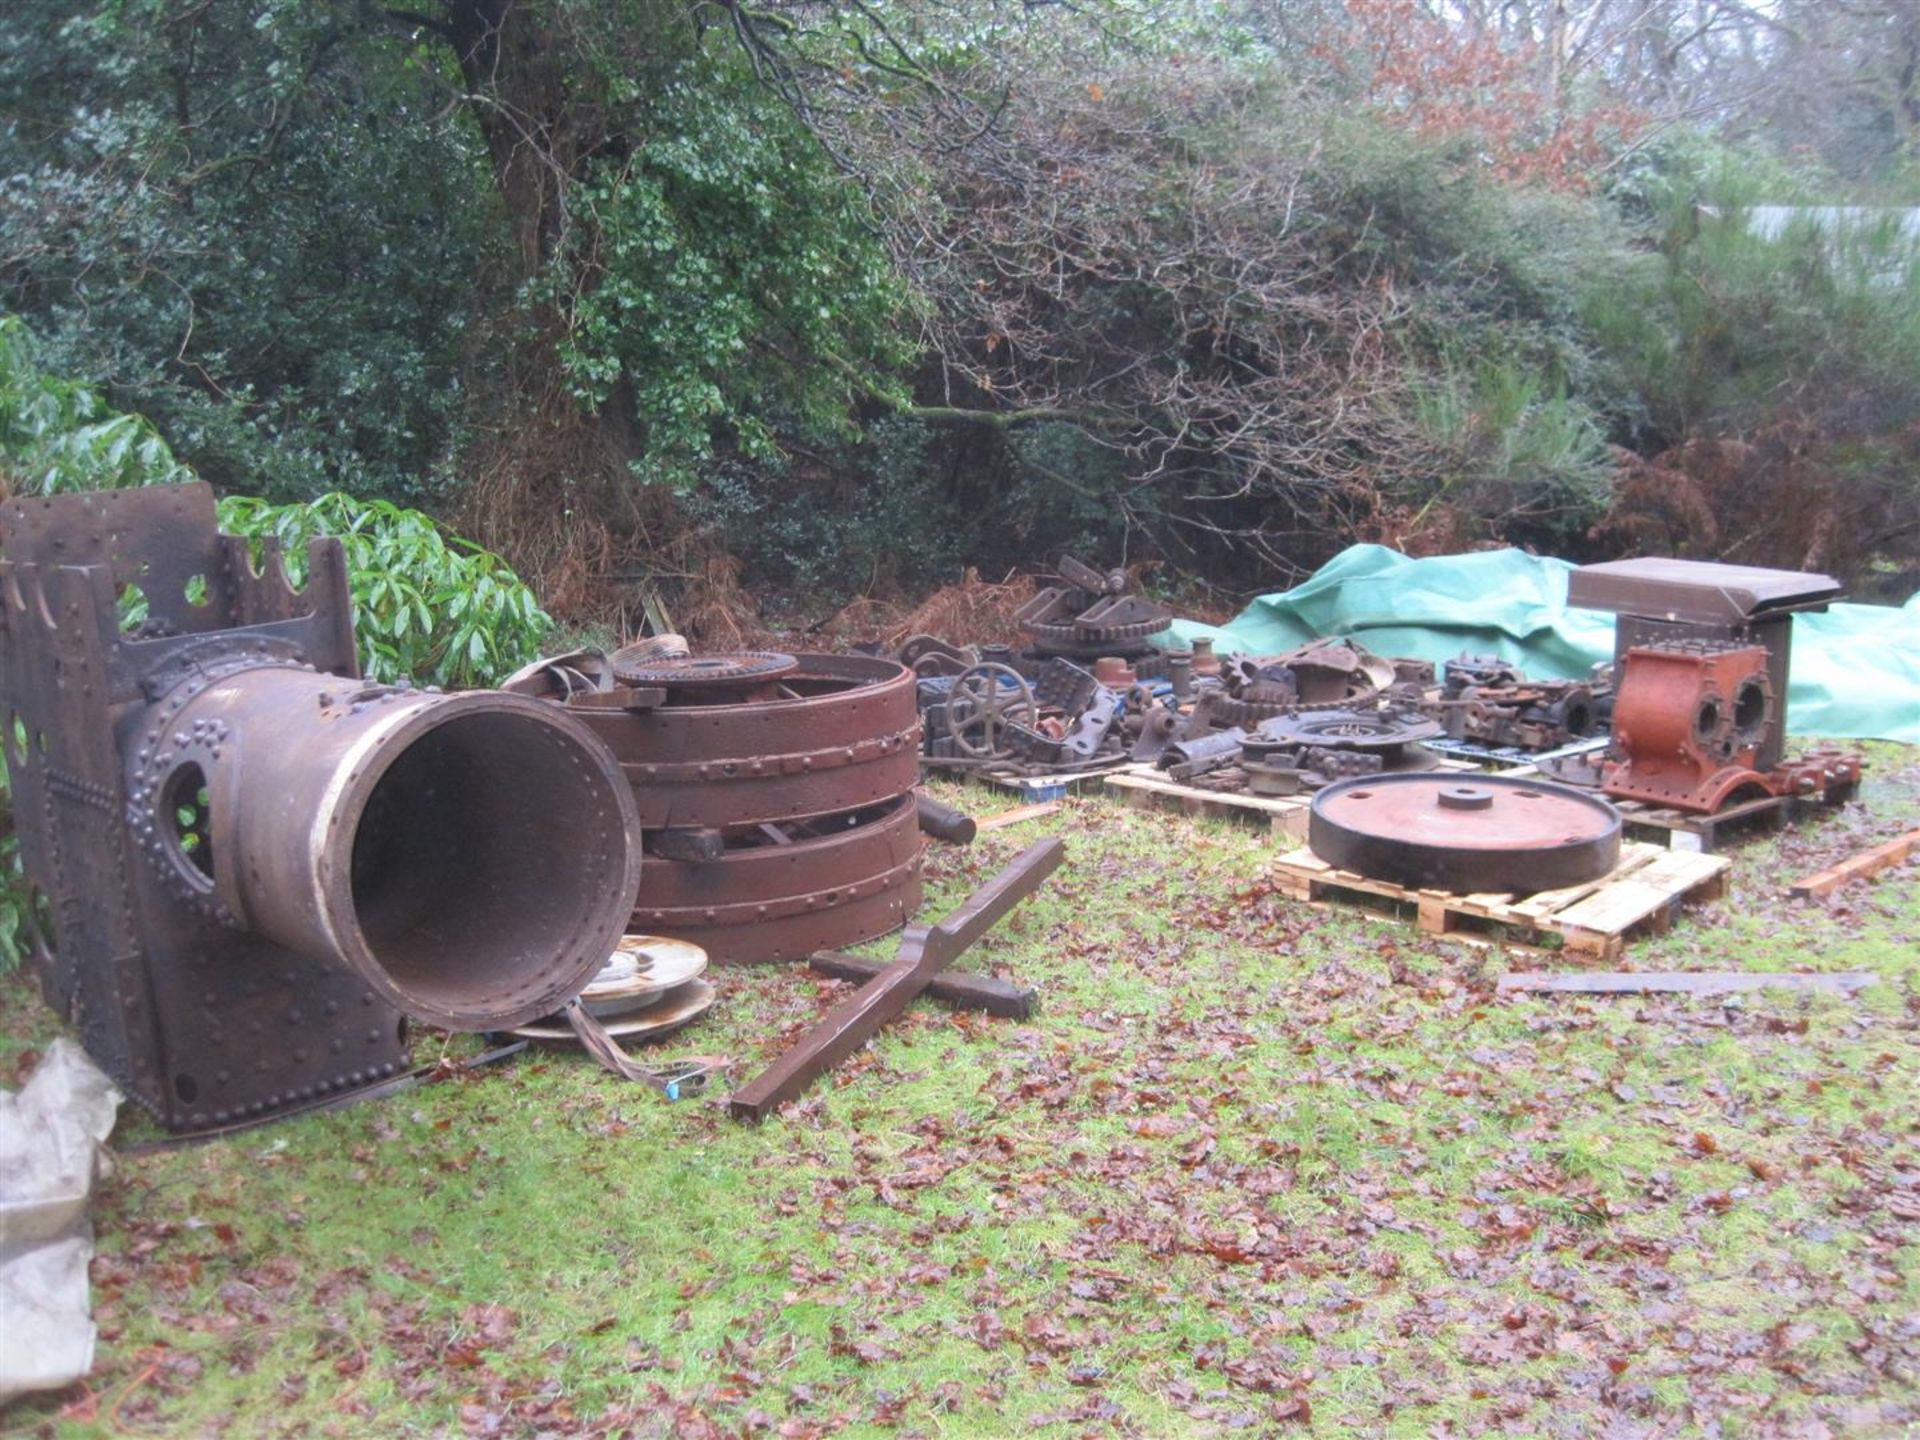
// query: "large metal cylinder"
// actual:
[[249, 868], [472, 857]]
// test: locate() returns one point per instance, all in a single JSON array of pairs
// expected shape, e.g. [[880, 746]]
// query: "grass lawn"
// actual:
[[1256, 1167]]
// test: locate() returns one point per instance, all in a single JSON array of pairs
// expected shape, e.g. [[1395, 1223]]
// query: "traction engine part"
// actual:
[[1090, 616], [1488, 700], [777, 797], [1689, 723], [984, 703], [1660, 602], [254, 866], [1470, 835]]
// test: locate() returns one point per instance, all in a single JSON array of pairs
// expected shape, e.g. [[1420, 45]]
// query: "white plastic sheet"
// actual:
[[51, 1153]]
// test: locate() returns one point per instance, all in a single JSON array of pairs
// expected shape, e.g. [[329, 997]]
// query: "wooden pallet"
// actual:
[[1147, 788], [1679, 830], [1593, 920]]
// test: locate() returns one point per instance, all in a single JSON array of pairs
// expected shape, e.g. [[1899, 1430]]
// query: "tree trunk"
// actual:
[[517, 91]]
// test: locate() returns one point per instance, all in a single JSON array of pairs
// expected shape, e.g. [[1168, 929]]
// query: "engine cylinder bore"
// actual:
[[473, 858]]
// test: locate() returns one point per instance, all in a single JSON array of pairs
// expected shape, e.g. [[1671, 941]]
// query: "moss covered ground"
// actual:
[[1256, 1167]]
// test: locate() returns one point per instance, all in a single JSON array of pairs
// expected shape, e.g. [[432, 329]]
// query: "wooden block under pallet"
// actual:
[[1642, 892]]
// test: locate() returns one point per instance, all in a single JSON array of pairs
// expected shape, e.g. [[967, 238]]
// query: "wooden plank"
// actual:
[[1617, 905], [1867, 862], [1542, 903], [1020, 816], [925, 950], [962, 989], [1152, 783], [1637, 982], [1304, 859], [1645, 888]]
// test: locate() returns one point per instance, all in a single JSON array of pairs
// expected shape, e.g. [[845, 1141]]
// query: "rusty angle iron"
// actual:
[[249, 866], [925, 950], [777, 797], [1468, 834]]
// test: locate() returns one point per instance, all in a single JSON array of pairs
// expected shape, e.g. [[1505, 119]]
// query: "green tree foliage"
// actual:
[[256, 225], [1763, 355], [618, 284], [737, 284], [56, 435], [426, 606]]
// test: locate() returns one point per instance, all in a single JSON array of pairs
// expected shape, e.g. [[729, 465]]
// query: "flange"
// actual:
[[1384, 729], [1469, 834]]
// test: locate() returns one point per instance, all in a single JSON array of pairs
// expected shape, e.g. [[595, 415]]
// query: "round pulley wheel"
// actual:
[[638, 971], [748, 667], [1471, 834], [983, 702], [665, 1014]]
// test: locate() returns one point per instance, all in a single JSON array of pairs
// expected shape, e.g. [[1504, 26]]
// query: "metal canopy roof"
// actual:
[[1697, 591]]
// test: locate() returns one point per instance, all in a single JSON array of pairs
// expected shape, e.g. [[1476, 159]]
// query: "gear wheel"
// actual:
[[650, 651], [700, 671], [1072, 634], [1350, 729], [1228, 711]]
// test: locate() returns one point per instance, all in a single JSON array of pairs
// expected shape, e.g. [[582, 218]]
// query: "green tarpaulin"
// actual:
[[1856, 668]]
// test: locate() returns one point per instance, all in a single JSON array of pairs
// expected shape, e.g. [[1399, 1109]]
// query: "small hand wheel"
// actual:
[[983, 702]]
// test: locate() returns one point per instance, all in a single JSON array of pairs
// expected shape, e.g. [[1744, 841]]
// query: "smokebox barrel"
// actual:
[[472, 857]]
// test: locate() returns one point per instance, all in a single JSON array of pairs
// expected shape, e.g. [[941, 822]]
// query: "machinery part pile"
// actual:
[[253, 867], [776, 794], [1690, 726], [1312, 748], [1477, 834], [1323, 673], [1487, 700]]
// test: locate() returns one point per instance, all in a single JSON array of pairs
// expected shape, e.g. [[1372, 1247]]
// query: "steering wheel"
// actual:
[[984, 701]]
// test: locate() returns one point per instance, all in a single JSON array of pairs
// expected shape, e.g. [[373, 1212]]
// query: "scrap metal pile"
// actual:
[[1097, 687], [1489, 702], [251, 868], [1063, 703]]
